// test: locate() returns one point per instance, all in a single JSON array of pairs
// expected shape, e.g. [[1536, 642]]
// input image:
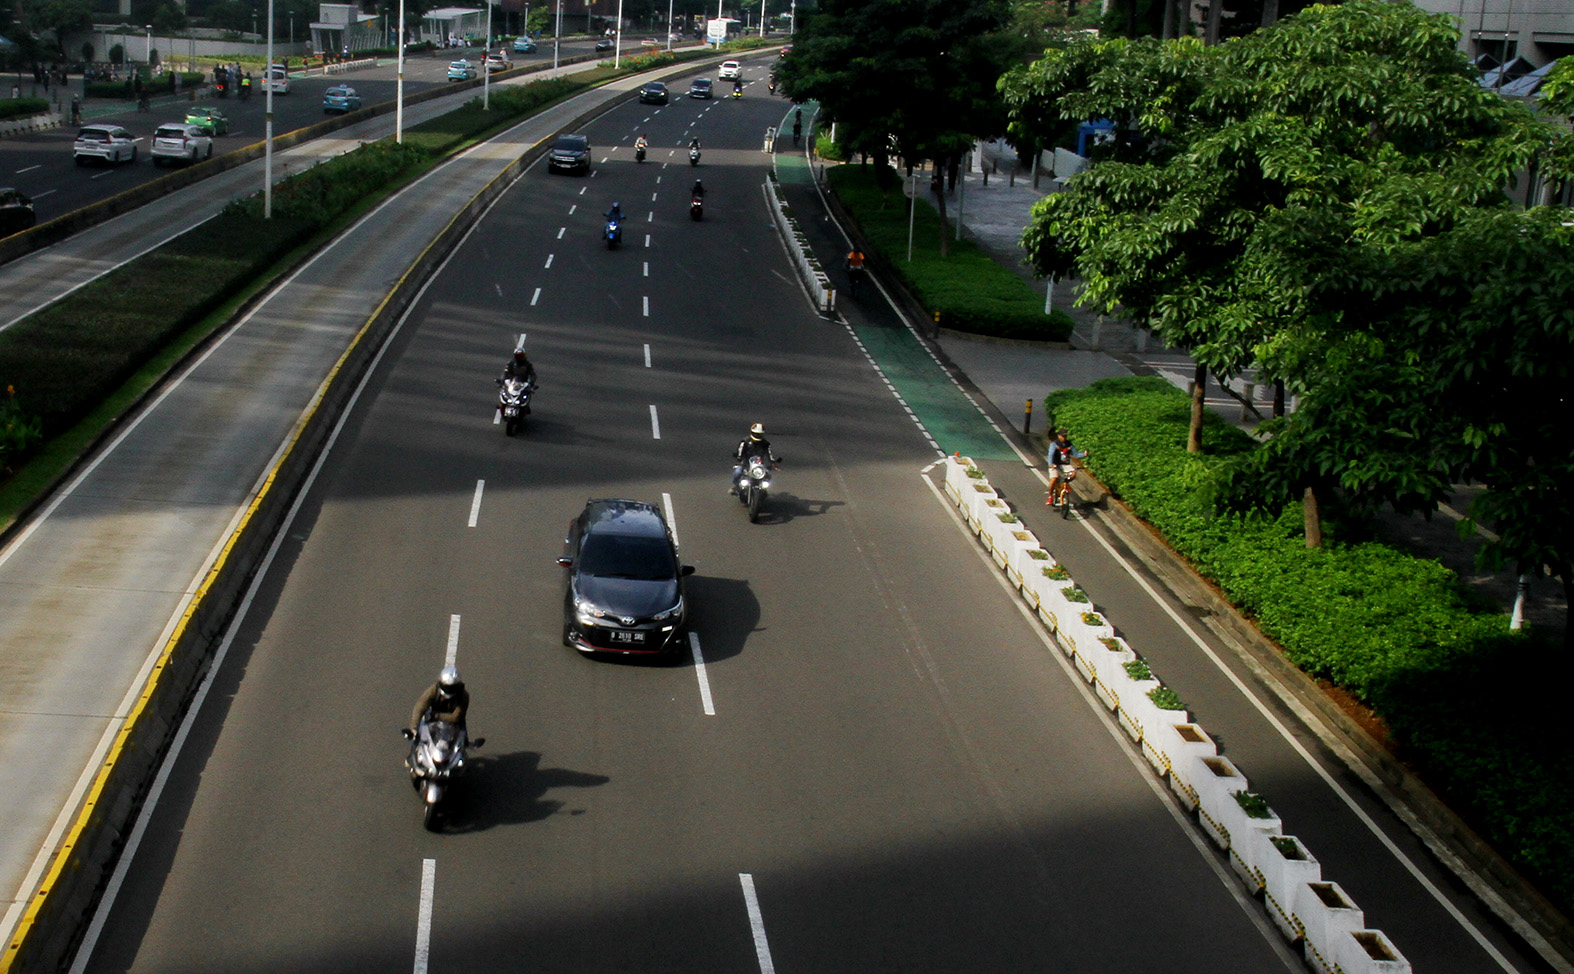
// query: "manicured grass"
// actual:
[[969, 290], [1457, 689]]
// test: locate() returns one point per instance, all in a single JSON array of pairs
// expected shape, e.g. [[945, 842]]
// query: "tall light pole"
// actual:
[[617, 44], [267, 129], [669, 25], [557, 36], [149, 57], [486, 63], [762, 18], [399, 87]]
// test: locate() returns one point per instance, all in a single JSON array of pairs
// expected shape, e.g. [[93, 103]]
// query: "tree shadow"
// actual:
[[511, 789]]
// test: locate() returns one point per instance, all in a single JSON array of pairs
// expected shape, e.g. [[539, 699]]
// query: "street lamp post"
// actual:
[[267, 132], [557, 36], [762, 18], [617, 48], [149, 57], [399, 87], [486, 63], [669, 25]]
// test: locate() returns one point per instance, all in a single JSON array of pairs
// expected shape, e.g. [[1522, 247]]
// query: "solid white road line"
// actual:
[[475, 502], [655, 425], [699, 671], [423, 923], [647, 355], [762, 949], [672, 522], [452, 654]]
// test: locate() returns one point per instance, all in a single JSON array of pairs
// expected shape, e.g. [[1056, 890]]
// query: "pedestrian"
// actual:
[[770, 138]]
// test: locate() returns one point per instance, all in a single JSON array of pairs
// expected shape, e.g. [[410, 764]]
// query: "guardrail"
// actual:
[[808, 266], [1309, 911]]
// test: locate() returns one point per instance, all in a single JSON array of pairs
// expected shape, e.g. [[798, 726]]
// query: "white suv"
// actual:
[[176, 140], [109, 143], [730, 71]]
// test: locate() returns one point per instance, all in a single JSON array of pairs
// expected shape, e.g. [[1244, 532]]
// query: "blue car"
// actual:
[[524, 45], [460, 70], [341, 99]]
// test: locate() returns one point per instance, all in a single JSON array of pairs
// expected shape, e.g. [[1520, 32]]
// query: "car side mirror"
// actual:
[[478, 742], [687, 570], [407, 733], [566, 562]]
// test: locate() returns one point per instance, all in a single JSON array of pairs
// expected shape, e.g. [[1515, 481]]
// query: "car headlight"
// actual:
[[671, 613], [587, 611]]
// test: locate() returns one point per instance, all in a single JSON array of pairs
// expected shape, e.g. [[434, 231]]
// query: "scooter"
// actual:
[[696, 208], [614, 233], [752, 484], [639, 153], [737, 92], [437, 757], [513, 402], [694, 157]]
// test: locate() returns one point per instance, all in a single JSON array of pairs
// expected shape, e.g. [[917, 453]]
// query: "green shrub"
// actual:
[[1393, 629], [22, 107], [967, 288], [1138, 669]]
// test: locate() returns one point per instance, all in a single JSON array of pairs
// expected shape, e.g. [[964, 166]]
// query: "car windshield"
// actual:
[[93, 135], [572, 143], [627, 556], [338, 92], [170, 132]]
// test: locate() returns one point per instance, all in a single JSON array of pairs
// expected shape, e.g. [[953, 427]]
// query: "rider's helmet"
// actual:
[[699, 185], [519, 356], [757, 432], [448, 679]]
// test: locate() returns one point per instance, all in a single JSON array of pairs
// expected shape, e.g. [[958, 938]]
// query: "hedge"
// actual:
[[967, 287], [1444, 672], [23, 107]]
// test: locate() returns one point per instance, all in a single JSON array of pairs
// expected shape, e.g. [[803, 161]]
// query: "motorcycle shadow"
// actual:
[[511, 789], [780, 508]]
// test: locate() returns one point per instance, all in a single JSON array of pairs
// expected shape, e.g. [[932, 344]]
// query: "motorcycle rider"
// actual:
[[694, 144], [520, 367], [753, 445], [640, 145], [616, 213], [737, 86], [446, 701], [698, 192]]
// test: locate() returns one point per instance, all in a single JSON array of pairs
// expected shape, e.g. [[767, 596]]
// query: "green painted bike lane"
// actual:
[[951, 418]]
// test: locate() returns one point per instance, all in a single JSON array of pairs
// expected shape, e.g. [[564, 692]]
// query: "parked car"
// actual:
[[730, 71], [654, 93], [340, 99], [524, 45], [624, 592], [210, 120], [106, 143], [16, 212], [180, 141], [498, 62], [700, 88], [604, 44], [460, 70], [570, 152], [277, 79]]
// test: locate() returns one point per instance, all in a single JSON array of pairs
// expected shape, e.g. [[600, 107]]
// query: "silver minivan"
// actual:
[[179, 141], [106, 143]]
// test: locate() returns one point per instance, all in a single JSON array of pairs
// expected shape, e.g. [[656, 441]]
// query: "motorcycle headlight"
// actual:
[[676, 610], [757, 471]]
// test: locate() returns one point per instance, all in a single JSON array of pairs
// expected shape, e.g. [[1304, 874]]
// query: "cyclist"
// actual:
[[1061, 454]]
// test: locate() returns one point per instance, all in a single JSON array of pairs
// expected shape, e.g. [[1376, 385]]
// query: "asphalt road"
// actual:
[[895, 773], [41, 166]]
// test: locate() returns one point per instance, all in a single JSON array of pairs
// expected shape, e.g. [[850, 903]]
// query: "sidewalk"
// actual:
[[994, 213]]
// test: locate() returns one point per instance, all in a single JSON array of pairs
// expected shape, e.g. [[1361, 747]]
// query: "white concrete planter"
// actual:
[[1284, 873], [957, 482], [1186, 745], [1159, 737], [1052, 606], [1110, 671], [1217, 780], [994, 532], [1327, 916], [977, 502], [1021, 562], [1248, 842], [1073, 632], [1137, 713], [1370, 952]]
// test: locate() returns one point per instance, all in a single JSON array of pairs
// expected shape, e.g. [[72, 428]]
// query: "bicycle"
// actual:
[[1060, 491]]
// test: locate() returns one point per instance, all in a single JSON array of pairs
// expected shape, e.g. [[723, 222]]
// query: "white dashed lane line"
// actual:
[[655, 425], [762, 949], [475, 502], [423, 923]]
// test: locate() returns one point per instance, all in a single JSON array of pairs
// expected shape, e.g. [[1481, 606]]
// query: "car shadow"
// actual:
[[725, 611], [511, 789]]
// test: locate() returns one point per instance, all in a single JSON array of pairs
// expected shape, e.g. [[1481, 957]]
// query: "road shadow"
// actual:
[[725, 613], [782, 507], [512, 789]]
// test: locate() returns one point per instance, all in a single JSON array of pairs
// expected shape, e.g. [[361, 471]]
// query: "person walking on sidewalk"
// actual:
[[770, 138]]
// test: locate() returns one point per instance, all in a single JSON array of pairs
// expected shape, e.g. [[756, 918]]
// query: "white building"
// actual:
[[343, 27]]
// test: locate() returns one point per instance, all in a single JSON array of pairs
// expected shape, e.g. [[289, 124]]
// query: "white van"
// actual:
[[277, 80]]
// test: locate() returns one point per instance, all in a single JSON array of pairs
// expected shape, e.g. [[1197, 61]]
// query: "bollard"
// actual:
[[1027, 416], [1246, 401], [1011, 176], [1098, 329], [937, 324]]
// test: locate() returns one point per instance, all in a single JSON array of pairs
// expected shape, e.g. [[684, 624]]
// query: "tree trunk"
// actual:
[[1270, 12], [1170, 32], [1199, 392], [1278, 399], [937, 186], [1312, 518], [1211, 31]]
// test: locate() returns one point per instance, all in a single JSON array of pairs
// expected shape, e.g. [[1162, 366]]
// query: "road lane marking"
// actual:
[[645, 304], [583, 188], [549, 259], [423, 923], [658, 180], [699, 671], [475, 503], [655, 426], [28, 169], [572, 208], [39, 196], [653, 197], [499, 289], [650, 217], [561, 231], [535, 297], [647, 240], [762, 949], [647, 365], [647, 268], [452, 653]]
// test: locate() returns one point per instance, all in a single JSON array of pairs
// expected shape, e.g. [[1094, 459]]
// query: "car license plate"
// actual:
[[621, 636]]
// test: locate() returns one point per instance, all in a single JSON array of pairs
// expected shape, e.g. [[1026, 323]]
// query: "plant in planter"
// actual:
[[1252, 823], [975, 473], [1057, 573], [1166, 699], [1092, 619], [1008, 518], [1074, 594], [1038, 554]]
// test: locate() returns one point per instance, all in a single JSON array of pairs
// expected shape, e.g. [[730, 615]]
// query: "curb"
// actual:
[[30, 124]]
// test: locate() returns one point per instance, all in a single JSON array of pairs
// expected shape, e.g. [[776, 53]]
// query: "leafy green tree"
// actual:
[[915, 78], [1337, 127]]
